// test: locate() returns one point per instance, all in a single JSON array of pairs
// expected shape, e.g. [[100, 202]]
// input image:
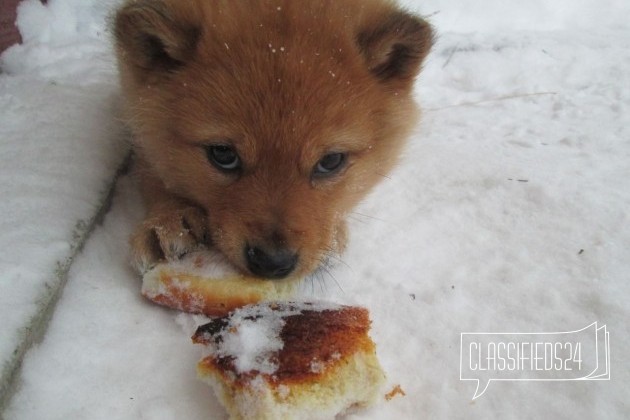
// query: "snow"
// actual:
[[496, 16], [508, 213], [40, 159], [59, 149], [251, 336]]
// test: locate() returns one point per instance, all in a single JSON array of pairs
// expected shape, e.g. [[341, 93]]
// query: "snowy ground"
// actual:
[[509, 213], [60, 146]]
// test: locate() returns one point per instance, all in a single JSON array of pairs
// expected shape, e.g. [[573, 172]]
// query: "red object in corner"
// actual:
[[9, 34]]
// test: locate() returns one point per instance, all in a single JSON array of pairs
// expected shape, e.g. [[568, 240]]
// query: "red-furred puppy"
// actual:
[[259, 124]]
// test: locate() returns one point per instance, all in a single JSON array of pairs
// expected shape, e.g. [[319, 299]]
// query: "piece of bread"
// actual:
[[291, 361], [204, 283]]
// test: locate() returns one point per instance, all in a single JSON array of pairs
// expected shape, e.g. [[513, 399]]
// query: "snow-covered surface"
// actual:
[[509, 213], [60, 146]]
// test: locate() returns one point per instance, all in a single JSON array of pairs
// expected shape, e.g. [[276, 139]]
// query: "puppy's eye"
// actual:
[[330, 164], [224, 157]]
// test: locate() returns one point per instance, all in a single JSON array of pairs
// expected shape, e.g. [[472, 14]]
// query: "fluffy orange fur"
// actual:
[[283, 83]]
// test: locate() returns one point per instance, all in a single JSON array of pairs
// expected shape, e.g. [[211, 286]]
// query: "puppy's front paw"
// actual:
[[167, 236]]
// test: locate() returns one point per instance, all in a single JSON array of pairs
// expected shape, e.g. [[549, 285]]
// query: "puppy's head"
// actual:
[[276, 117]]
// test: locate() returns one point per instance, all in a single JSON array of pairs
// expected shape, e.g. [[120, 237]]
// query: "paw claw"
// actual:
[[167, 237]]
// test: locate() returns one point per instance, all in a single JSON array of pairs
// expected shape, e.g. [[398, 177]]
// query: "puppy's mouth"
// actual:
[[279, 264], [264, 263], [277, 256], [271, 264]]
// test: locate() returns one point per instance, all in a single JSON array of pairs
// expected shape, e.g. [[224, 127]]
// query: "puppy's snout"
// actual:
[[270, 264]]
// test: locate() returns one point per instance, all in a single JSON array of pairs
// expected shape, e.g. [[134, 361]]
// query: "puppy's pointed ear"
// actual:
[[394, 47], [152, 38]]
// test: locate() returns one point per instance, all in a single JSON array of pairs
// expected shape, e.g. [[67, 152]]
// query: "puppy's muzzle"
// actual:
[[269, 264]]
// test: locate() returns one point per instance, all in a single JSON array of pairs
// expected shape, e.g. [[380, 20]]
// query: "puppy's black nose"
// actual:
[[271, 265]]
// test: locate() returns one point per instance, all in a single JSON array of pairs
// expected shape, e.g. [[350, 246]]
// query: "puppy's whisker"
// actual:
[[367, 216], [330, 253], [356, 219], [333, 277], [321, 281], [383, 175], [324, 270]]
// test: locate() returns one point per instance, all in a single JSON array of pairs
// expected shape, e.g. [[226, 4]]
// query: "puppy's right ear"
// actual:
[[152, 39]]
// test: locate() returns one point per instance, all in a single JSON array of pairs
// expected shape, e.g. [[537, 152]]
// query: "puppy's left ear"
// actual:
[[395, 46]]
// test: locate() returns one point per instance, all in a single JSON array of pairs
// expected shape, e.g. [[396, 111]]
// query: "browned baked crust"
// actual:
[[314, 342], [291, 360], [201, 283]]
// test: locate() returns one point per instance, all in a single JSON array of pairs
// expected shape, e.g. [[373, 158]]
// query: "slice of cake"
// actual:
[[290, 360], [204, 283]]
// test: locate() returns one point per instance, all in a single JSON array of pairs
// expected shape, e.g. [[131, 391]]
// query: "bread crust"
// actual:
[[322, 337], [191, 286], [327, 364]]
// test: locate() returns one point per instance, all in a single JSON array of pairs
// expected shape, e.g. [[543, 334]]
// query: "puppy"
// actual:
[[259, 124]]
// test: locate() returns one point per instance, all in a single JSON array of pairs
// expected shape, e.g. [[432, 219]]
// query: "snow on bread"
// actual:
[[291, 360]]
